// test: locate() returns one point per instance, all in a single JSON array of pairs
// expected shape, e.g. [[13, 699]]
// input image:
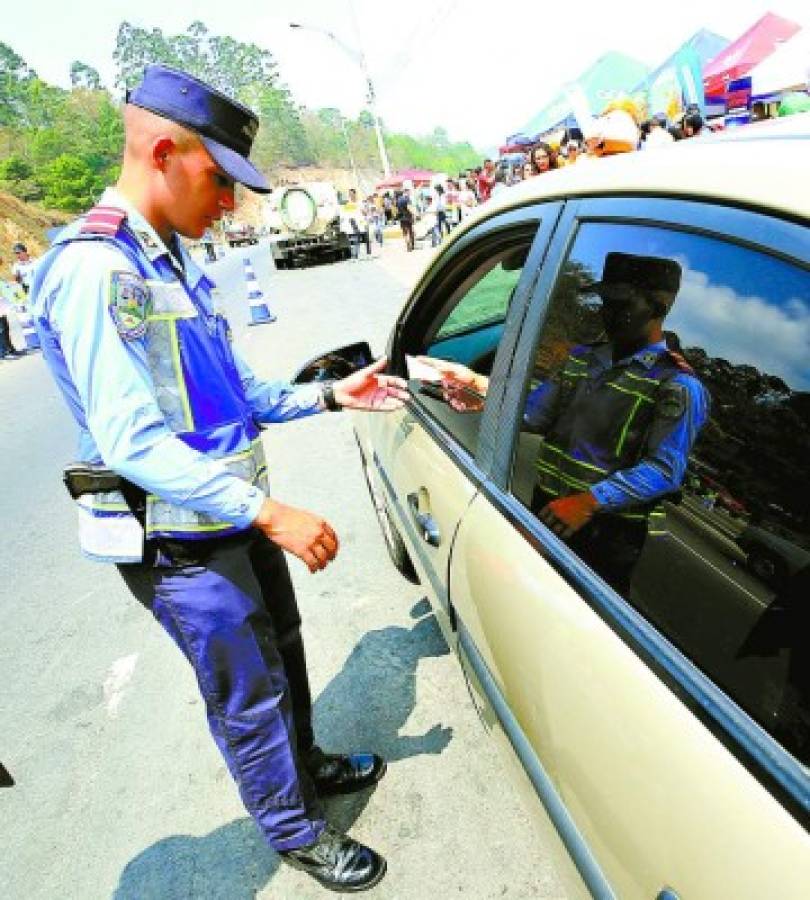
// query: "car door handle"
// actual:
[[425, 522]]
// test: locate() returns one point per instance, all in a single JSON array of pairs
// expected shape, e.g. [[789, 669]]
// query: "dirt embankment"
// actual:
[[26, 223]]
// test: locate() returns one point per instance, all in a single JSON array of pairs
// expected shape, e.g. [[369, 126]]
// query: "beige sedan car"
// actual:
[[610, 376]]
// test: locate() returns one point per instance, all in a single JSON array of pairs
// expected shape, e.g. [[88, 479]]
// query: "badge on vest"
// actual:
[[130, 300]]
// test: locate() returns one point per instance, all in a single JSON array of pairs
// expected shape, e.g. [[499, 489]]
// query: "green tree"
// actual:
[[70, 183], [15, 75], [84, 77], [246, 72], [17, 177]]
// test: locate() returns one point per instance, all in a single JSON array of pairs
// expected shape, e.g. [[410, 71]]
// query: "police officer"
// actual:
[[173, 482], [618, 422]]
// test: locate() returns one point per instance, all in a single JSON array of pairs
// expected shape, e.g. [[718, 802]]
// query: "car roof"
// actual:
[[764, 165]]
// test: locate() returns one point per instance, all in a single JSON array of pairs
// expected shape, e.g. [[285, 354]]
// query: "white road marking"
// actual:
[[759, 601], [119, 676]]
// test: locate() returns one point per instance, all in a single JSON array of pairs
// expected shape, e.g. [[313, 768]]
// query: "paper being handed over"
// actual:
[[420, 371]]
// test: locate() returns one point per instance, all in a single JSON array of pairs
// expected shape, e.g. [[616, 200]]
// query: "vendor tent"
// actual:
[[611, 75], [417, 177], [750, 49], [786, 68], [680, 75]]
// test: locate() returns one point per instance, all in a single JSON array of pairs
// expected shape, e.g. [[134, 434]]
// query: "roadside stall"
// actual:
[[738, 60], [785, 71]]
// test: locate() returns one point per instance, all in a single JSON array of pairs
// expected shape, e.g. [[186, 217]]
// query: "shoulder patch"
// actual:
[[130, 303], [672, 400]]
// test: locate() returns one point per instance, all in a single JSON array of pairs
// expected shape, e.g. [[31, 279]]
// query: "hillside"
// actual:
[[27, 223]]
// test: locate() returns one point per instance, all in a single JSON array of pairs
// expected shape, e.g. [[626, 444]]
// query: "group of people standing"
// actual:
[[611, 134], [13, 297]]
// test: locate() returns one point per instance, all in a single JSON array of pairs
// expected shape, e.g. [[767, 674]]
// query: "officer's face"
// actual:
[[627, 317], [201, 192]]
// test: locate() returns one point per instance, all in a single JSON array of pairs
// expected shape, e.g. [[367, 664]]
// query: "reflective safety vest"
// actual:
[[197, 387], [606, 422]]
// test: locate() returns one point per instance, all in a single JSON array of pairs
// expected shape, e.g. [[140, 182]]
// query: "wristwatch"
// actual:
[[328, 397]]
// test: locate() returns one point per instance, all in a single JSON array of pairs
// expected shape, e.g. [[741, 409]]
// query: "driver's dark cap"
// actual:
[[653, 275], [226, 127]]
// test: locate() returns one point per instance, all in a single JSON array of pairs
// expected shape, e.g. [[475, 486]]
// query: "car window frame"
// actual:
[[774, 767], [440, 276]]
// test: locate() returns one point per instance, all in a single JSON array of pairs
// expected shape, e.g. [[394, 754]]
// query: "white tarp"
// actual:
[[787, 67]]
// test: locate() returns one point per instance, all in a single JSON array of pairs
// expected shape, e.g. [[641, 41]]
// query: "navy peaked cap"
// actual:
[[226, 127], [655, 274]]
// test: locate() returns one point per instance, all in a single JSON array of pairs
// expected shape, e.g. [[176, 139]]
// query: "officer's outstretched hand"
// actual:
[[567, 515], [368, 389], [298, 531]]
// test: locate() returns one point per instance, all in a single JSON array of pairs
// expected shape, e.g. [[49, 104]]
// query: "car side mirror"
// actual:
[[335, 364]]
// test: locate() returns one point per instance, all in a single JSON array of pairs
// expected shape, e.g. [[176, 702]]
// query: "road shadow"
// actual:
[[230, 863], [363, 707]]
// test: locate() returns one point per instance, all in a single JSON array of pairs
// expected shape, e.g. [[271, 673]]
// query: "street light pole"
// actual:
[[358, 57], [349, 151]]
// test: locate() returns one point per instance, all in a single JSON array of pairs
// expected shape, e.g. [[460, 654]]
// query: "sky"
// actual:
[[479, 69]]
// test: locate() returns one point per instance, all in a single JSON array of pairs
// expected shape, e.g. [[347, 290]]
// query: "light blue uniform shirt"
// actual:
[[107, 383]]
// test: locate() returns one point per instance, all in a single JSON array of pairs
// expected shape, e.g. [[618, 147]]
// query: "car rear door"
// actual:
[[666, 732]]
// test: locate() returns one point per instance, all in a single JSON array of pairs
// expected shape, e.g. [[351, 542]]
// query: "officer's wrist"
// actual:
[[328, 400]]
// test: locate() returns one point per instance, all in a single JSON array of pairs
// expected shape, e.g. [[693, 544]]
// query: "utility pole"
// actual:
[[359, 59]]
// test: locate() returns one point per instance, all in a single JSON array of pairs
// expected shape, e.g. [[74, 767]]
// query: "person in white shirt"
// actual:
[[23, 268]]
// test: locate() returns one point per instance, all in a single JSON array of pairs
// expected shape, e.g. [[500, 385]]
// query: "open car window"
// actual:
[[471, 311]]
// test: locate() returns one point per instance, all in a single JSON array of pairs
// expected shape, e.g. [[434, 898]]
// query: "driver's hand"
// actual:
[[464, 390]]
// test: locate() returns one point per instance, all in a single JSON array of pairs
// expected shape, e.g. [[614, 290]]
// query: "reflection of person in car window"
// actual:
[[618, 421]]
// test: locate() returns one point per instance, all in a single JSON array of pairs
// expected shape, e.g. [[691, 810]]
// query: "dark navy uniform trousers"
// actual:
[[230, 606]]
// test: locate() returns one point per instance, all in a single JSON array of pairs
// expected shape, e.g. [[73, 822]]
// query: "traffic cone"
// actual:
[[29, 331], [259, 313]]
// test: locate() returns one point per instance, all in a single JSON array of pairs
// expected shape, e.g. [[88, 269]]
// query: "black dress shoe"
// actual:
[[338, 862], [338, 773]]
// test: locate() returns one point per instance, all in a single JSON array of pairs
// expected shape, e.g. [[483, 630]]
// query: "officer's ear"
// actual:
[[162, 149]]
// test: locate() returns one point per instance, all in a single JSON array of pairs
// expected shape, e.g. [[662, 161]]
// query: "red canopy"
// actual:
[[761, 39], [417, 176]]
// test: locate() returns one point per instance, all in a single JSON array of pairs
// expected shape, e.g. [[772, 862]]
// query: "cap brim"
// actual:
[[235, 165]]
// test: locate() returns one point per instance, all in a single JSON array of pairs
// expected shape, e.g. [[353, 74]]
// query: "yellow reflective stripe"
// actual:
[[625, 390], [198, 529], [168, 317], [576, 361], [655, 381], [566, 479], [626, 426], [577, 462], [178, 368], [109, 507]]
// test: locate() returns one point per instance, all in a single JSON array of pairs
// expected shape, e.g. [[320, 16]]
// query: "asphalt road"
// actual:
[[119, 790]]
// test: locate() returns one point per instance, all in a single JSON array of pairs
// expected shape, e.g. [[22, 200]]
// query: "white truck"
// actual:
[[304, 221]]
